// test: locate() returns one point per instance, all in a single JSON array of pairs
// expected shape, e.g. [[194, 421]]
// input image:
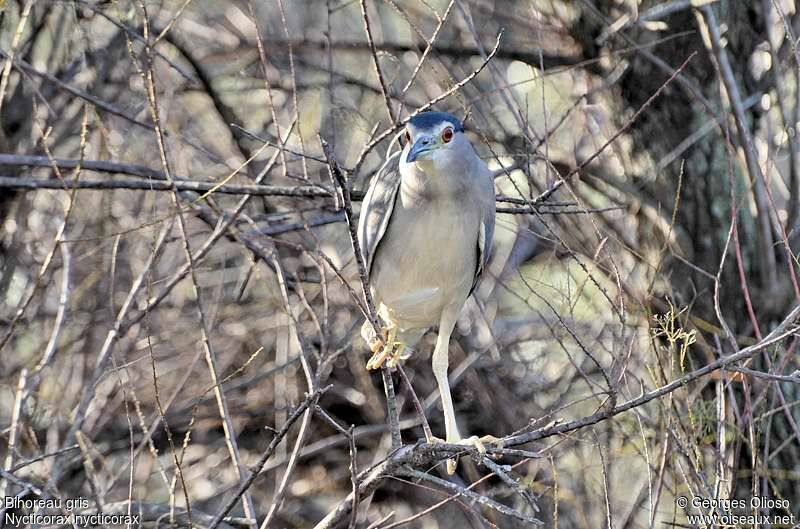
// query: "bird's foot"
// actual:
[[399, 354], [479, 443], [391, 354], [381, 346], [387, 349], [375, 345]]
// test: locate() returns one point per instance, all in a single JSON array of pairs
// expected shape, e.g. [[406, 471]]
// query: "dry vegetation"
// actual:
[[179, 303]]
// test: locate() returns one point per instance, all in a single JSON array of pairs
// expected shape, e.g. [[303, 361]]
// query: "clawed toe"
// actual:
[[377, 359], [398, 355], [375, 345], [476, 442], [479, 443], [392, 354], [382, 348], [389, 350]]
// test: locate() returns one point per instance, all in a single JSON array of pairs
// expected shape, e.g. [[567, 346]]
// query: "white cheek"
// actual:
[[444, 153]]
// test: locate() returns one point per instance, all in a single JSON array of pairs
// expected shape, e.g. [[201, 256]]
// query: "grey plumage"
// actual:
[[376, 208], [426, 228]]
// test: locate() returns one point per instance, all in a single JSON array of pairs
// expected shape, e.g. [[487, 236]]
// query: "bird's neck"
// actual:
[[435, 179]]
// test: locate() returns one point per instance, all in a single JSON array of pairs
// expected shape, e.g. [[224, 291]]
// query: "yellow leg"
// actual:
[[440, 363]]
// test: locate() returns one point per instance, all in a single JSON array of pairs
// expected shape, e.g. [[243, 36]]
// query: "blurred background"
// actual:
[[157, 330]]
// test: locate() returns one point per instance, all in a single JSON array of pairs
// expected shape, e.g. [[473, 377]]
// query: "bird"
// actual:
[[425, 230]]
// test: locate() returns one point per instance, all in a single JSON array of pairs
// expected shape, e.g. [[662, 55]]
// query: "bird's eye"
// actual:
[[408, 137], [447, 134]]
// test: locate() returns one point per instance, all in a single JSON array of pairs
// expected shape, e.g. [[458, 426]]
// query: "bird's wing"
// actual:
[[485, 238], [376, 209]]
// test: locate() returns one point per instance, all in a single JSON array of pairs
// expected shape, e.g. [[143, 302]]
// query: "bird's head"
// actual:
[[433, 135]]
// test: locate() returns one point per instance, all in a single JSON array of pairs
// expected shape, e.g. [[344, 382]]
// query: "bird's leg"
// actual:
[[440, 364]]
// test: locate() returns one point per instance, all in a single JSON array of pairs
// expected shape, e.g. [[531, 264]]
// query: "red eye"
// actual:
[[447, 135]]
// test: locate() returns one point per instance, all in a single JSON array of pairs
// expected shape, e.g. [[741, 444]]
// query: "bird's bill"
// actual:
[[424, 144]]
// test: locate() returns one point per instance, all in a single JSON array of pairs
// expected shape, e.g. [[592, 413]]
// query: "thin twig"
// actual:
[[417, 404], [477, 498], [310, 400], [444, 95], [783, 330], [351, 442], [634, 117]]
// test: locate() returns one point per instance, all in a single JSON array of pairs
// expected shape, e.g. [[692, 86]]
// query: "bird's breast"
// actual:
[[427, 259]]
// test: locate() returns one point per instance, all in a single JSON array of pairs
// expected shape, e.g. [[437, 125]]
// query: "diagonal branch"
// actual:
[[376, 63], [388, 385]]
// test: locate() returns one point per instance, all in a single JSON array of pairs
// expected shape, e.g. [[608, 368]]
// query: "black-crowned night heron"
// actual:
[[426, 228]]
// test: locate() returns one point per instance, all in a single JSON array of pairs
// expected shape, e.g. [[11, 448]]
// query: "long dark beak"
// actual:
[[423, 144]]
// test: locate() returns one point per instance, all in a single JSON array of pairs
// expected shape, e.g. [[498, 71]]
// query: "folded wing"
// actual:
[[377, 207]]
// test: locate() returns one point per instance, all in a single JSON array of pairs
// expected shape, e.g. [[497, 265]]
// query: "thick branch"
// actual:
[[453, 51]]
